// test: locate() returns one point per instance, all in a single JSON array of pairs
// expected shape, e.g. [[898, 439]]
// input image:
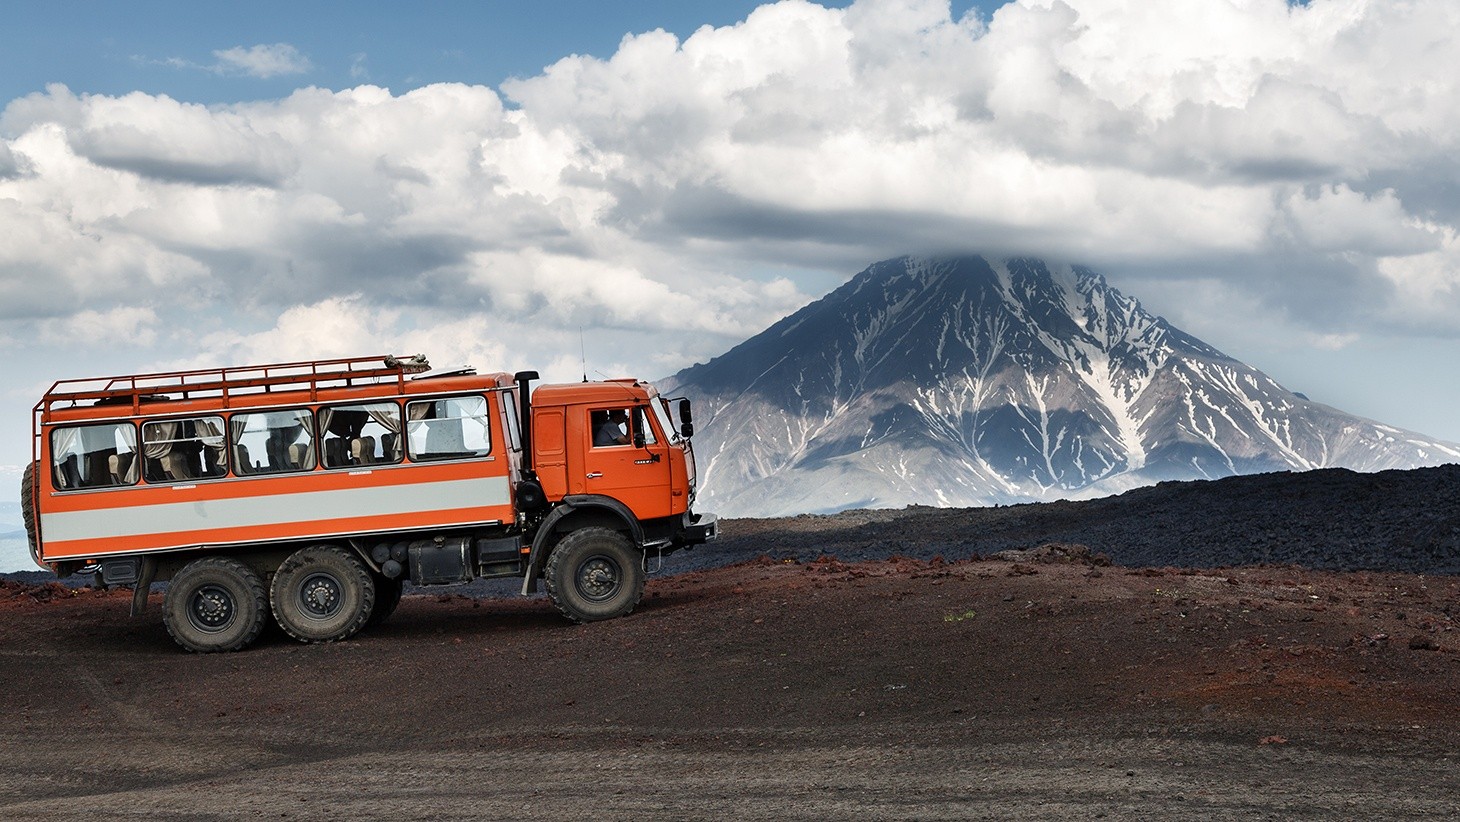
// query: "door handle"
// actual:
[[594, 474]]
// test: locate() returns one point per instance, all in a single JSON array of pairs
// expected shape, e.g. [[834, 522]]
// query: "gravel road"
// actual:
[[1042, 686]]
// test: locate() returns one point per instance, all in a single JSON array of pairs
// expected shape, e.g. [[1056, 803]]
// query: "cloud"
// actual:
[[49, 269], [352, 325], [1301, 157], [358, 68], [1426, 284], [125, 326], [262, 61], [1338, 219], [161, 138], [1123, 134]]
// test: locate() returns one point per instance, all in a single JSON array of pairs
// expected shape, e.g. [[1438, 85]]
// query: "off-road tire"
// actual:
[[27, 508], [387, 597], [594, 574], [322, 594], [215, 604]]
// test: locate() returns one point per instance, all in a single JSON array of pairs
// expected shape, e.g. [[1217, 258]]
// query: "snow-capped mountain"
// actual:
[[964, 382]]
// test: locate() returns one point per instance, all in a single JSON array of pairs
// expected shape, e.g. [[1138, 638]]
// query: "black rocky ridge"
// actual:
[[1328, 519]]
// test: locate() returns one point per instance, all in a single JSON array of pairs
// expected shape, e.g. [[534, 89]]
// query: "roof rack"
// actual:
[[226, 383]]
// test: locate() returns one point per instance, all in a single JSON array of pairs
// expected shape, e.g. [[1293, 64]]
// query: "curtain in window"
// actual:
[[63, 444], [241, 460], [210, 431], [388, 416], [481, 419], [158, 438]]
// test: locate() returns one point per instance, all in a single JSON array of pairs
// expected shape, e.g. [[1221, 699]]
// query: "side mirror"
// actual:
[[686, 429], [684, 412], [638, 439]]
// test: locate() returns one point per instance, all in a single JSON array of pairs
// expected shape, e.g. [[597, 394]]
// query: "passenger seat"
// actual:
[[121, 468], [363, 450], [176, 466], [301, 455]]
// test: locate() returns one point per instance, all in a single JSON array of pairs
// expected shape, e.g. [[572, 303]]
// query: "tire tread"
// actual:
[[253, 589], [358, 574], [27, 508], [565, 551]]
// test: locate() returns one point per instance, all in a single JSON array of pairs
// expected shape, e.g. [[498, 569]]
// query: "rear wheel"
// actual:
[[322, 594], [215, 604], [593, 574]]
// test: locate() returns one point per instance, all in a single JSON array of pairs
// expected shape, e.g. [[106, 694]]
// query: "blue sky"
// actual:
[[115, 48], [222, 183], [167, 47]]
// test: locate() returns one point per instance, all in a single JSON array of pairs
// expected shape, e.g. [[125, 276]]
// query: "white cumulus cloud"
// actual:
[[262, 61], [668, 198]]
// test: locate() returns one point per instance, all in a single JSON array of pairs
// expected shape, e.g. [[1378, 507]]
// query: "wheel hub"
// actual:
[[598, 579], [211, 608], [320, 596]]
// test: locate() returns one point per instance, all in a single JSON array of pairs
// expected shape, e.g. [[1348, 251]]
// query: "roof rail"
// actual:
[[225, 383]]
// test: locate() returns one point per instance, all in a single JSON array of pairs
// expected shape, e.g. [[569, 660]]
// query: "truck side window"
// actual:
[[610, 427], [94, 456], [448, 428], [509, 409], [272, 442], [365, 434], [620, 426], [178, 450], [642, 426]]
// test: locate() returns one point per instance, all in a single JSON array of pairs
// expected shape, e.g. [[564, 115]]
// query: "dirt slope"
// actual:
[[1035, 687]]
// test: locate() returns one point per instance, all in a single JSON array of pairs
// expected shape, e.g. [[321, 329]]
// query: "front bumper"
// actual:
[[701, 528]]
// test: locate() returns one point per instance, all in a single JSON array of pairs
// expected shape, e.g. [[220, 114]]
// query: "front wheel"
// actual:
[[595, 573], [322, 594], [215, 604]]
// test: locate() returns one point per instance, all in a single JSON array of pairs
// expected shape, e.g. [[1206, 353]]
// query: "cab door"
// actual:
[[627, 458]]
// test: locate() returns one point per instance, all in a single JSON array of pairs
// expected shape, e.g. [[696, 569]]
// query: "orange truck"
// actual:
[[313, 491]]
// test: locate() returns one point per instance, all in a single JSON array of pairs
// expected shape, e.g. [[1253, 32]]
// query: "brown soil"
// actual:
[[1041, 685]]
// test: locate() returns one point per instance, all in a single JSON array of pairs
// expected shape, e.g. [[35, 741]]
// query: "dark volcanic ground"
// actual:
[[762, 678]]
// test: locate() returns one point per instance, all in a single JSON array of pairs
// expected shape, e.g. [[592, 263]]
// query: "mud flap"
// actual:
[[144, 585]]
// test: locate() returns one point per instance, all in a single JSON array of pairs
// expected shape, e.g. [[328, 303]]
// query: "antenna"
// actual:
[[583, 353]]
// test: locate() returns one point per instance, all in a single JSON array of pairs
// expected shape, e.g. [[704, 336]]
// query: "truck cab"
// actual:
[[612, 439], [610, 455]]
